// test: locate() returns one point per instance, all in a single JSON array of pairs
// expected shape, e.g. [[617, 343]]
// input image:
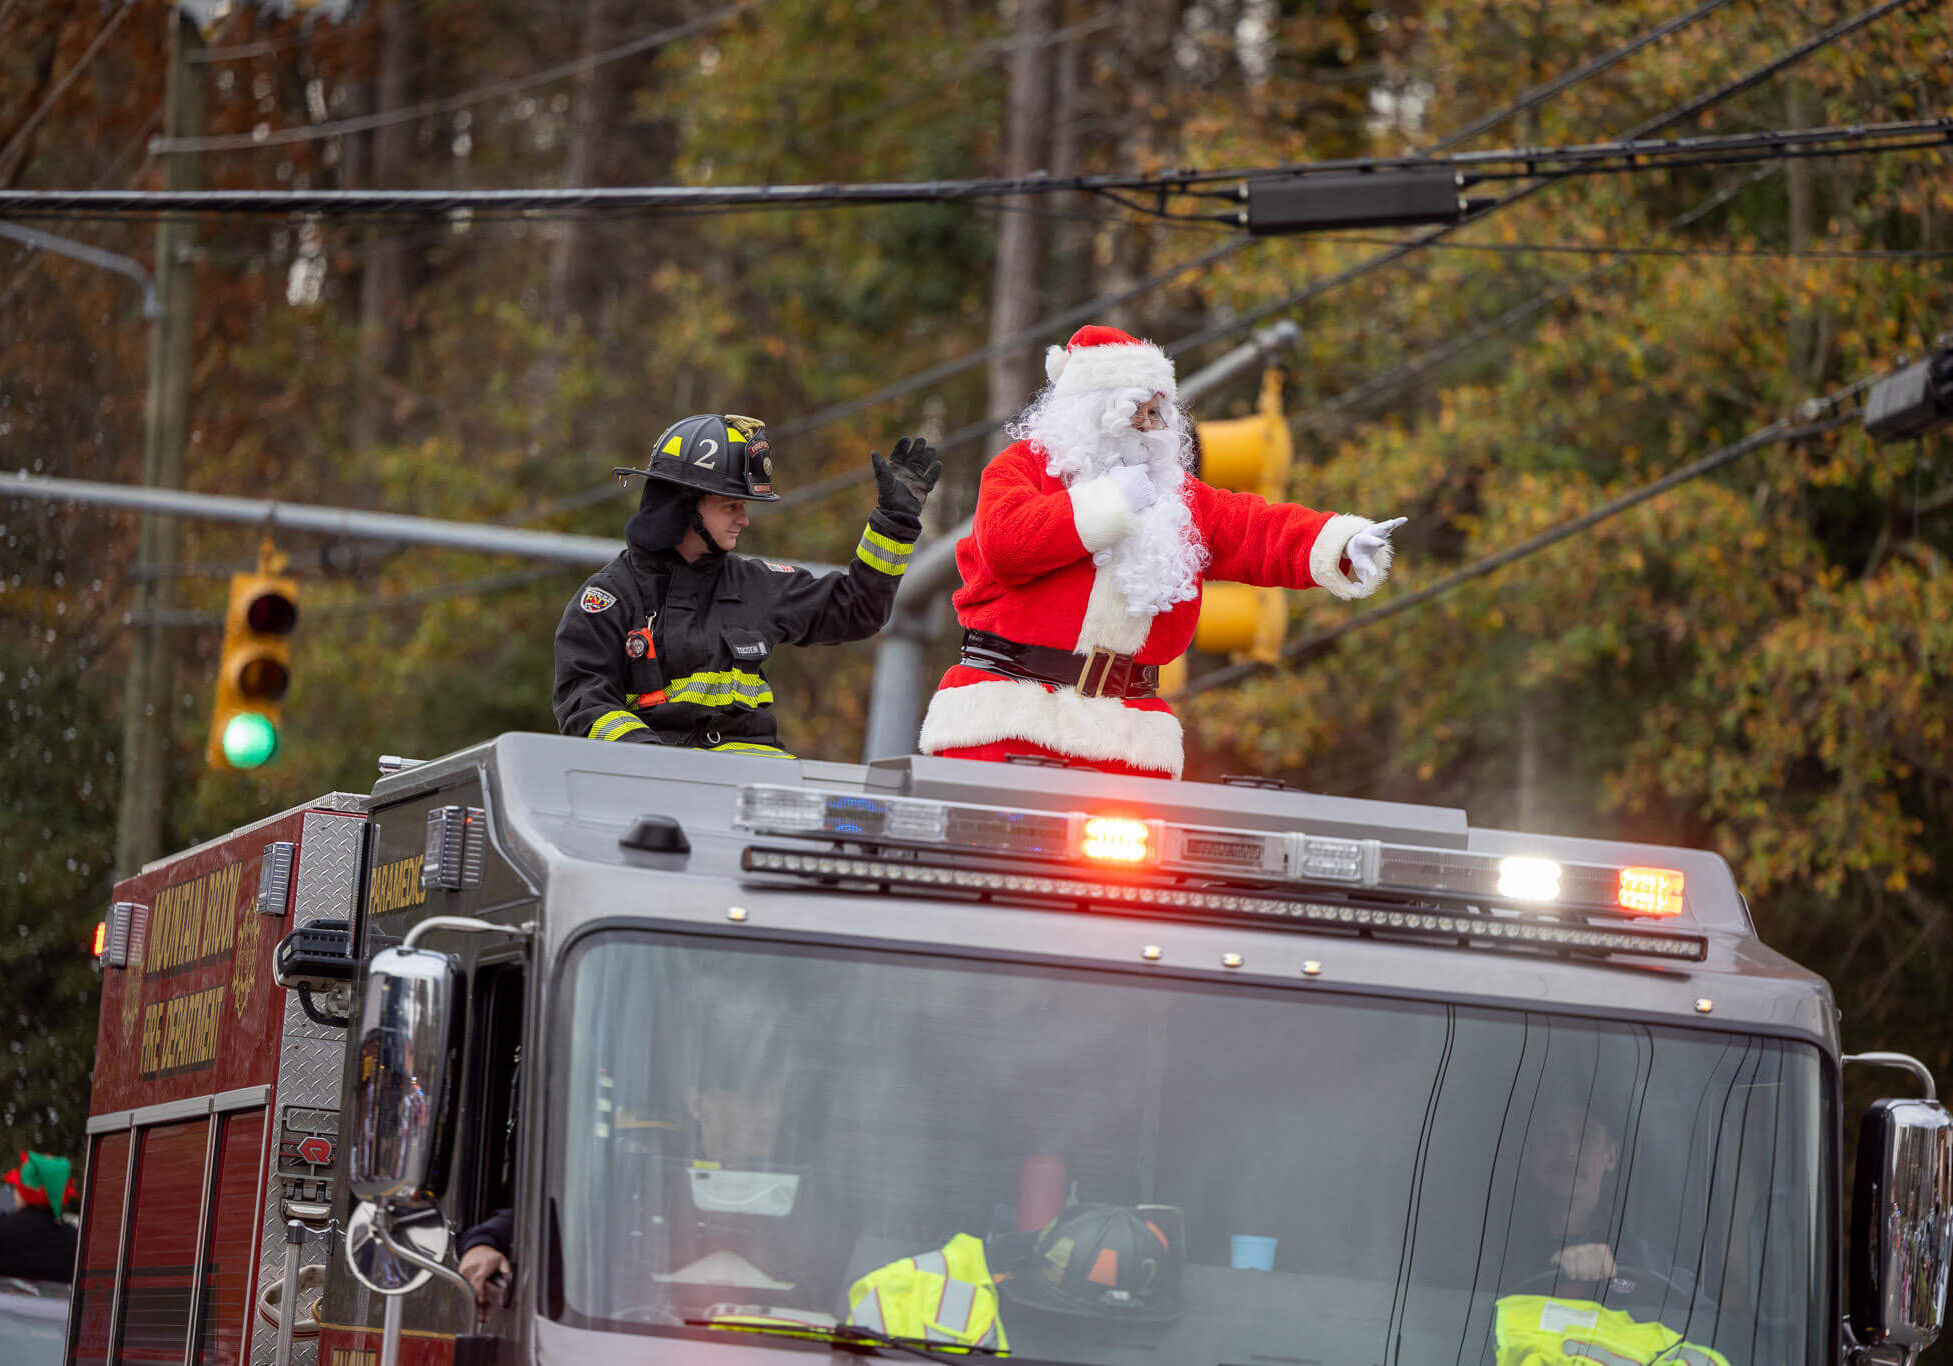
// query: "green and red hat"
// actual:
[[43, 1182]]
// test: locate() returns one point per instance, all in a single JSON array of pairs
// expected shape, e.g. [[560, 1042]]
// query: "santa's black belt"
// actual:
[[1098, 674]]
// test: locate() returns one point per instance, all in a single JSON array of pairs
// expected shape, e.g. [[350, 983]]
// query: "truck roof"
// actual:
[[563, 809]]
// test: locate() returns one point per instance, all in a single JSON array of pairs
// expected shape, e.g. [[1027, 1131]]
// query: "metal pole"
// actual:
[[390, 1332], [288, 1299], [348, 523], [146, 695], [900, 689]]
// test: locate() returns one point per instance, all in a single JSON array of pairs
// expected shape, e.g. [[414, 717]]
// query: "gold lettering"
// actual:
[[396, 886]]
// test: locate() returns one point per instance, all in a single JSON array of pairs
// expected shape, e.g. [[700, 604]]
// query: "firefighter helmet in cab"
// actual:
[[1103, 1261], [720, 453]]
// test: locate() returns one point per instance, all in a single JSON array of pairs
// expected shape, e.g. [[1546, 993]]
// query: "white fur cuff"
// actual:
[[1326, 557], [1088, 727], [1101, 513]]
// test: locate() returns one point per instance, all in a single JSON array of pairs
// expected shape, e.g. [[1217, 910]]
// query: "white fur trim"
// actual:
[[1088, 727], [1326, 557], [1054, 362], [1101, 513], [1139, 365], [1109, 621]]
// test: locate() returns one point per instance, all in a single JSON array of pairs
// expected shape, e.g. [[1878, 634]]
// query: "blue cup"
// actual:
[[1251, 1252]]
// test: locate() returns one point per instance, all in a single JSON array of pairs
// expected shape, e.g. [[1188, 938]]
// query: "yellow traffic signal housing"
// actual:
[[1251, 455], [1241, 621], [255, 668]]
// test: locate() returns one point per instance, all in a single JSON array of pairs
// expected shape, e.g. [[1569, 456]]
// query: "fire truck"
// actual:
[[708, 1052]]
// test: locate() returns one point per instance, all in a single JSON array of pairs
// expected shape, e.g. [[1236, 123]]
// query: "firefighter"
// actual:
[[668, 643]]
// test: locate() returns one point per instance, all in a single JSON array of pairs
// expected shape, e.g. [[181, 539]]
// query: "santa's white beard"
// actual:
[[1087, 435]]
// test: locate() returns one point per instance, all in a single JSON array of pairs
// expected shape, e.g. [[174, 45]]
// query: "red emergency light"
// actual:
[[1116, 839], [1649, 892]]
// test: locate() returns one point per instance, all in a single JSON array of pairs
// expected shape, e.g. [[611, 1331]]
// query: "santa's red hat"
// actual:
[[1106, 358]]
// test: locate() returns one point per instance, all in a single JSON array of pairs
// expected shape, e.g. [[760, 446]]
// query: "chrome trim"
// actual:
[[199, 1256], [1900, 1060], [243, 1098], [113, 1120]]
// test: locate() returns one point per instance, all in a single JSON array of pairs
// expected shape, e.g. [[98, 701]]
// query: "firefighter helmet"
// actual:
[[1106, 1261], [720, 453]]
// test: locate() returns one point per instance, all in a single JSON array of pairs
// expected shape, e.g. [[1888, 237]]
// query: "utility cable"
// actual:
[[33, 121], [1706, 253], [1773, 434], [1540, 165], [1660, 122], [1419, 365], [236, 142]]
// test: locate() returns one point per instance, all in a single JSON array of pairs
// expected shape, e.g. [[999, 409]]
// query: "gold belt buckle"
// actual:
[[1098, 660]]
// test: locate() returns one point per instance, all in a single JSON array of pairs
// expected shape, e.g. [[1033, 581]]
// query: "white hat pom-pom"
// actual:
[[1054, 362]]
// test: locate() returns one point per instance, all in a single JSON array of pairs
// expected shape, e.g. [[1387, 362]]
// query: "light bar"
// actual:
[[1188, 903], [1244, 855]]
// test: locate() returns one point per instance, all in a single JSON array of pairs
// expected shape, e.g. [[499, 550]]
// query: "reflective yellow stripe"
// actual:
[[749, 747], [615, 724], [730, 688], [883, 552]]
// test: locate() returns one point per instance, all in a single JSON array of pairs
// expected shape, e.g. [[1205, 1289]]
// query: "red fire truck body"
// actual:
[[213, 1120]]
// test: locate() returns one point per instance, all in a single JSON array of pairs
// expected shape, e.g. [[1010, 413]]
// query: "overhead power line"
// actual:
[[273, 137], [1688, 109], [1707, 253], [1517, 163]]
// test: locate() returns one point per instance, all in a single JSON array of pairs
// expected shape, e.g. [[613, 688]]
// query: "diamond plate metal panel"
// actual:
[[310, 1061]]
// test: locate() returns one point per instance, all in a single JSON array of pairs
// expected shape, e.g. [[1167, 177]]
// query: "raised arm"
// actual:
[[1279, 545]]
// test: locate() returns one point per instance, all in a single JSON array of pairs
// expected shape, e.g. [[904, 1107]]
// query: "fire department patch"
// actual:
[[597, 600], [777, 567]]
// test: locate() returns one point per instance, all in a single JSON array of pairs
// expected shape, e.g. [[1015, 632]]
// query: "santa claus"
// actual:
[[1083, 571]]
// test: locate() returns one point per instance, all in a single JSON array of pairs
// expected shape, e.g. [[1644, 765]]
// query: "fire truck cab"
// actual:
[[748, 1056]]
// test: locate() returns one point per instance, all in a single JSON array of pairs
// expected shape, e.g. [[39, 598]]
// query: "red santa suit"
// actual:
[[1029, 575]]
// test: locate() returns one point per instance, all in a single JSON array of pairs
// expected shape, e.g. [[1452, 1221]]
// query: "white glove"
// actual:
[[1369, 552], [1136, 484]]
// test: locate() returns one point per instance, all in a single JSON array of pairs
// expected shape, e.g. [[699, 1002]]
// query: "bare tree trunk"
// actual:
[[1014, 286], [386, 280], [1145, 35], [1072, 239], [576, 279]]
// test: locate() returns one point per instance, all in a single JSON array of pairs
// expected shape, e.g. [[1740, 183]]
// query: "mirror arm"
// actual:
[[463, 924], [383, 1230], [1904, 1061]]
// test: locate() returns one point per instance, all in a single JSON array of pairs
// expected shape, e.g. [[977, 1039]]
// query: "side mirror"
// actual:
[[409, 1032], [1902, 1226]]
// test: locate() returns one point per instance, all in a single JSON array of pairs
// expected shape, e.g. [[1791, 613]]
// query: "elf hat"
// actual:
[[1106, 358]]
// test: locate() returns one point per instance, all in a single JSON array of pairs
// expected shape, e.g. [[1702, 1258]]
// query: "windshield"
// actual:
[[1171, 1171]]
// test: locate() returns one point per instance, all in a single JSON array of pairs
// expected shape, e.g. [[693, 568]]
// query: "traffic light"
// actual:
[[255, 667], [1247, 454]]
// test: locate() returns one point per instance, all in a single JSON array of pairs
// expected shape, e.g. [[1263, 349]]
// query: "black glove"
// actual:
[[904, 479]]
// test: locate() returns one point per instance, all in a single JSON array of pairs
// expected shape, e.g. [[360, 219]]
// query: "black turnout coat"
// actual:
[[657, 650]]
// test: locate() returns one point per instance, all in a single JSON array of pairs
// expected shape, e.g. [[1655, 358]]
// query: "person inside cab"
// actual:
[[668, 643], [726, 1207], [1581, 1289]]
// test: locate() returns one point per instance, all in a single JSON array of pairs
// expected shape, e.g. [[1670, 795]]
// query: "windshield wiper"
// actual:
[[846, 1337]]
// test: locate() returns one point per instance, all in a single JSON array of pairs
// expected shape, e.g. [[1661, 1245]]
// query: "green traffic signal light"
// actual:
[[249, 739]]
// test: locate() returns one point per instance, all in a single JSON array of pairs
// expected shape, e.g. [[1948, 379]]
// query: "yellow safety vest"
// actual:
[[945, 1296], [1545, 1330]]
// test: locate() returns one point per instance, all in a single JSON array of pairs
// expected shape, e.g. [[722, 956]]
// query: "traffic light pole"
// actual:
[[147, 699], [901, 657]]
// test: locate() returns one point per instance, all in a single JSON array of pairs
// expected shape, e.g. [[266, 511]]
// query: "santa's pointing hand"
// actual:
[[1369, 552]]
